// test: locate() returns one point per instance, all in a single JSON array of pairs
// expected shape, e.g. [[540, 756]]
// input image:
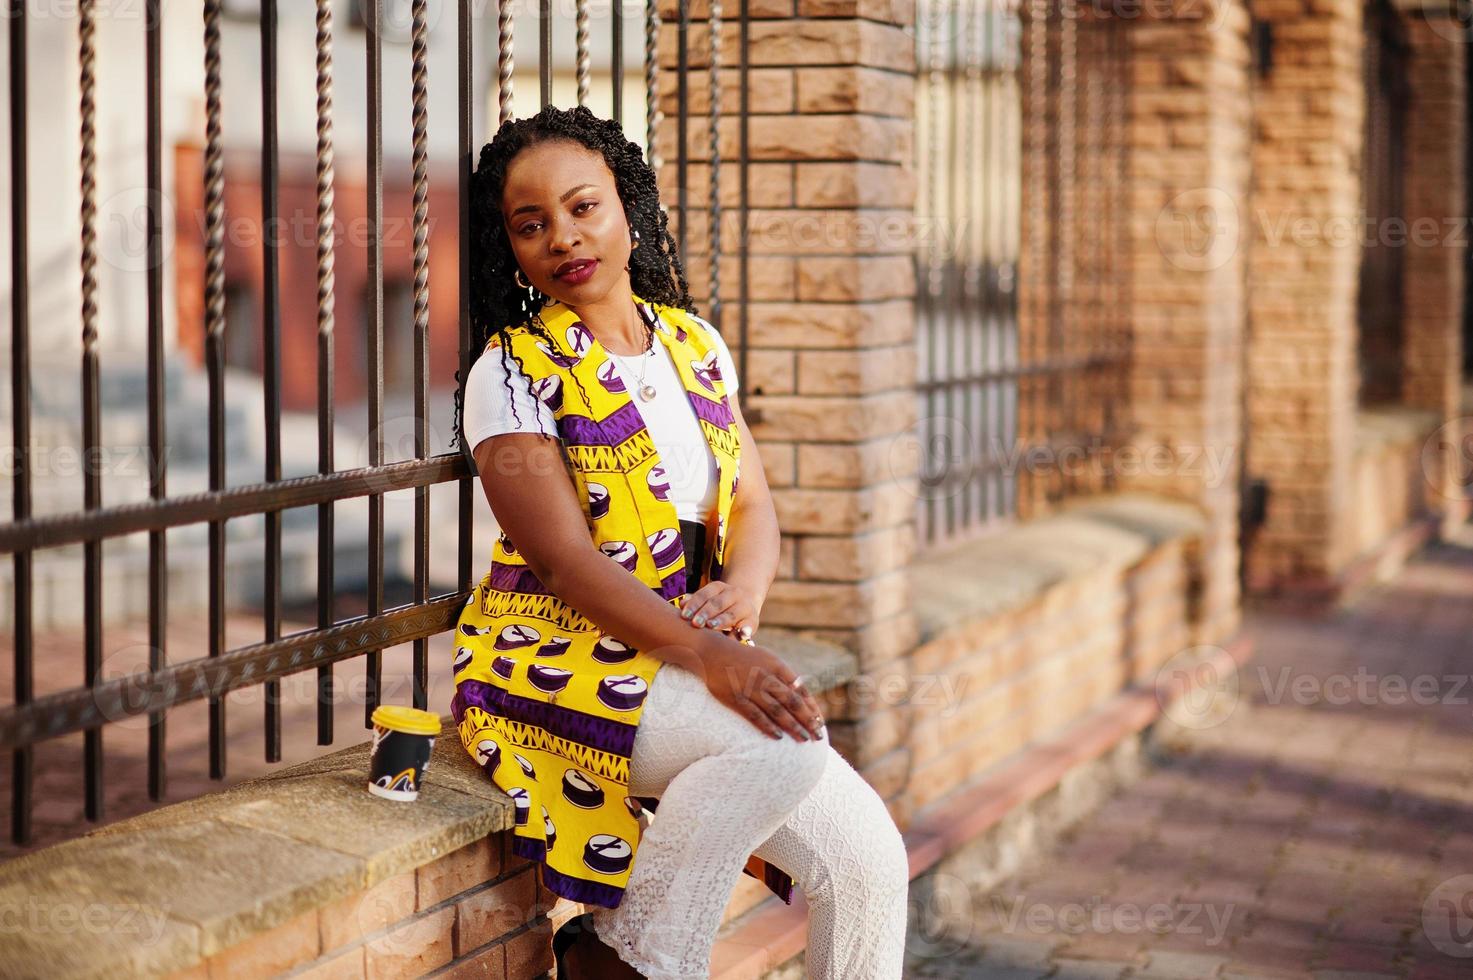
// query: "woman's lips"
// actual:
[[581, 274]]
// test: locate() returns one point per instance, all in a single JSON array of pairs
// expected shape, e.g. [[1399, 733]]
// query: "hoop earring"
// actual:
[[521, 280], [633, 244]]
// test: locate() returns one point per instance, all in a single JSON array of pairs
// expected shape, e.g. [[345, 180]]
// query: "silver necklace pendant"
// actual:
[[646, 392]]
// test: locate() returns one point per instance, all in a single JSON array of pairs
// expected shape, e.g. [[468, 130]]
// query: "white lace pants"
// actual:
[[727, 790]]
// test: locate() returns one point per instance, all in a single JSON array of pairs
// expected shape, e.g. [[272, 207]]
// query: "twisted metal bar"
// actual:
[[585, 54], [652, 114], [714, 190], [91, 413], [419, 49], [325, 338], [214, 357], [505, 64], [324, 171]]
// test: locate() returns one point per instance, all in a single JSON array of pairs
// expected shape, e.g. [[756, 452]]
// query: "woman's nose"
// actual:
[[565, 234]]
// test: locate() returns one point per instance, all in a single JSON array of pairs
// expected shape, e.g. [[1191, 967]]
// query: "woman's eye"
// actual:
[[585, 204], [529, 227]]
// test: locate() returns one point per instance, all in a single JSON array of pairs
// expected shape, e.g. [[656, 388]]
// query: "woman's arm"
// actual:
[[536, 504]]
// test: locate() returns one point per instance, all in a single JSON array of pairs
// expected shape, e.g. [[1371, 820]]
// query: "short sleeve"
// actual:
[[490, 410], [723, 355]]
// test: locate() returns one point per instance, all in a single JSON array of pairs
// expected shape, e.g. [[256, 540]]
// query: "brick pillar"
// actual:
[[1188, 137], [831, 369], [1436, 206], [1302, 376]]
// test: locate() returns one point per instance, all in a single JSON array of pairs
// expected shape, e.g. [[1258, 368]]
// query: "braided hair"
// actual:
[[497, 304]]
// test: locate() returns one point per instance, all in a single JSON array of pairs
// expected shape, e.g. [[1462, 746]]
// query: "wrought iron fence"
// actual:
[[1022, 344], [174, 677], [1379, 296]]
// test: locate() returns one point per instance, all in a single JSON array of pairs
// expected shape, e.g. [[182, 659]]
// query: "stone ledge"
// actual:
[[176, 885], [989, 576], [1382, 426]]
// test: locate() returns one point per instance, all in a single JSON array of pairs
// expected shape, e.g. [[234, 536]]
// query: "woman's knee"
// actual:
[[796, 767]]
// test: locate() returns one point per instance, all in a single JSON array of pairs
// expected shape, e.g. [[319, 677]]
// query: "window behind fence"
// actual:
[[1020, 260]]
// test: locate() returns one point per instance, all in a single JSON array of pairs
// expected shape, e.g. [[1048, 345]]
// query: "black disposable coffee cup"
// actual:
[[402, 741]]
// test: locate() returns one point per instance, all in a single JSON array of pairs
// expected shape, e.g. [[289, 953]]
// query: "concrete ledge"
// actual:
[[971, 583], [175, 886], [772, 934], [989, 576], [1390, 425]]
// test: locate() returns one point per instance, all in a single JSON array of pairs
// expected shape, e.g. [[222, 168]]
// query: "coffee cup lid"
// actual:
[[404, 719]]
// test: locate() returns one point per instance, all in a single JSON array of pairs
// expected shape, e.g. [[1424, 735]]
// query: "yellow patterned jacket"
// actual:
[[545, 701]]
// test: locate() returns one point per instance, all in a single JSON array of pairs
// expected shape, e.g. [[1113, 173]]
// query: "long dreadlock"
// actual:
[[497, 304]]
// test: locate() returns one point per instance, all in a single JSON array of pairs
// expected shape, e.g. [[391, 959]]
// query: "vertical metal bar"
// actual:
[[215, 358], [584, 52], [616, 61], [935, 308], [91, 408], [544, 52], [505, 25], [973, 171], [1012, 226], [990, 209], [1062, 327], [466, 122], [271, 337], [374, 346], [744, 195], [326, 571], [682, 124], [1039, 227], [713, 189], [20, 409], [420, 157], [956, 217], [158, 568], [1119, 326], [651, 79]]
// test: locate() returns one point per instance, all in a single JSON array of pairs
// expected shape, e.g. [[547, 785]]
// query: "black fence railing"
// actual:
[[1022, 342], [175, 676], [1379, 294]]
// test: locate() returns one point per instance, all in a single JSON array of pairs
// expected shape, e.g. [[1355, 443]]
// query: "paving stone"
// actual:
[[1316, 829]]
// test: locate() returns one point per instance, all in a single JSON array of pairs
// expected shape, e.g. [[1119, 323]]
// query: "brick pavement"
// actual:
[[1318, 830]]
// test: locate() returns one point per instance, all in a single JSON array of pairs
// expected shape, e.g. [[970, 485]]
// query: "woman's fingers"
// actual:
[[781, 716], [793, 711], [758, 717]]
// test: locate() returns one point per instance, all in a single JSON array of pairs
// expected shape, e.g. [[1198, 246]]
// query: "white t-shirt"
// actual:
[[689, 465]]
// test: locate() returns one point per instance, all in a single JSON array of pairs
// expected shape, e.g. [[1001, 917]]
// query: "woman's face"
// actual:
[[566, 223]]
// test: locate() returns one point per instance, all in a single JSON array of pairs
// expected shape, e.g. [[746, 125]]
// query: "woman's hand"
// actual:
[[756, 684], [721, 606]]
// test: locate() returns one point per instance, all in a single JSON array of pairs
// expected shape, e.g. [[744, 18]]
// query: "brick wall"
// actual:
[[479, 910], [1302, 376], [1004, 682], [1436, 201], [829, 392], [1189, 131]]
